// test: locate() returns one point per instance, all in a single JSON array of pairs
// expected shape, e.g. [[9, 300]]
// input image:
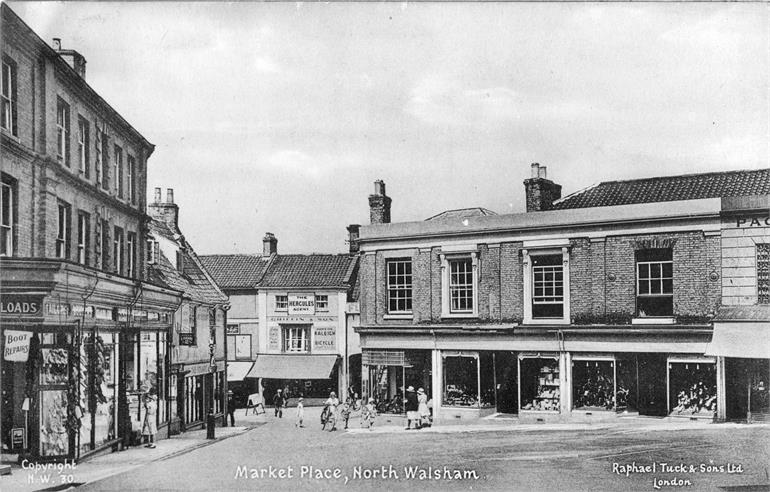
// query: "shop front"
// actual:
[[71, 366], [311, 377]]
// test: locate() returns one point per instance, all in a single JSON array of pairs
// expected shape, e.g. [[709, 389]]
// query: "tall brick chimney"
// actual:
[[269, 244], [541, 192], [379, 204], [353, 232], [166, 212], [72, 57]]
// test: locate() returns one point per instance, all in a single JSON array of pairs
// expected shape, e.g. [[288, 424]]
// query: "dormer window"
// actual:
[[179, 260]]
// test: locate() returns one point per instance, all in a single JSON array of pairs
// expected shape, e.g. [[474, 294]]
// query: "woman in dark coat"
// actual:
[[411, 405]]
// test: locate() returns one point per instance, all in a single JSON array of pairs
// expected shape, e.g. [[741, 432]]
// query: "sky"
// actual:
[[280, 116]]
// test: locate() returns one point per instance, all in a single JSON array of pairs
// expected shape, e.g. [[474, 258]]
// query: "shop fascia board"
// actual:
[[701, 214]]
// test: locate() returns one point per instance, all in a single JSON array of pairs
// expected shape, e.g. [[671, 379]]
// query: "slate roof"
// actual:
[[462, 213], [194, 281], [304, 271], [236, 271], [669, 188]]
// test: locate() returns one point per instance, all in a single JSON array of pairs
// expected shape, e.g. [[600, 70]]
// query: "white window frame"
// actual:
[[7, 99], [82, 145], [118, 150], [84, 230], [296, 339], [131, 247], [528, 279], [281, 302], [152, 251], [322, 302], [64, 211], [6, 217], [130, 170], [118, 247], [446, 302], [394, 287], [664, 318], [63, 131]]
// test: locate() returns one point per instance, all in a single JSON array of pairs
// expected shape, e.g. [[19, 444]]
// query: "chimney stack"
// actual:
[[167, 212], [269, 244], [379, 204], [72, 57], [353, 233], [541, 192]]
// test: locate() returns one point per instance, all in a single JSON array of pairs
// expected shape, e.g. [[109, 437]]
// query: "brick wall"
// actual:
[[602, 279]]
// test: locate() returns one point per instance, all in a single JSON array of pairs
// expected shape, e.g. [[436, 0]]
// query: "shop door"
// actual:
[[652, 384], [506, 385]]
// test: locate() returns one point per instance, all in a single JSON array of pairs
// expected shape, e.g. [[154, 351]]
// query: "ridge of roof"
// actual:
[[471, 212]]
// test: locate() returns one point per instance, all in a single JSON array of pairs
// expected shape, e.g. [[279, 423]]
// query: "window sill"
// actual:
[[663, 320], [459, 315], [398, 316], [546, 321]]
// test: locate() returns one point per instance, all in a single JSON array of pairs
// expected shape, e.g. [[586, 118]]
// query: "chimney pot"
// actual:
[[379, 187], [541, 173], [170, 195], [534, 167], [157, 195], [57, 44]]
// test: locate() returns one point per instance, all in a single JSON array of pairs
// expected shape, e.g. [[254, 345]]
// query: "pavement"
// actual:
[[495, 448]]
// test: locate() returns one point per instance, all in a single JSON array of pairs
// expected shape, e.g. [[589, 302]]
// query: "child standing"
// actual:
[[368, 413], [300, 413], [150, 427]]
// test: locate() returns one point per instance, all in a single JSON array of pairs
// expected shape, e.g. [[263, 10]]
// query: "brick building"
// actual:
[[590, 305], [196, 346], [291, 322], [75, 302]]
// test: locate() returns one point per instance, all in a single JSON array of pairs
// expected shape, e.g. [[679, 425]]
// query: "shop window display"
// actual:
[[539, 383], [54, 436], [692, 388], [461, 381], [593, 384]]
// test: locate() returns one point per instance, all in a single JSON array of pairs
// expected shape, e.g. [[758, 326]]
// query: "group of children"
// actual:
[[368, 411]]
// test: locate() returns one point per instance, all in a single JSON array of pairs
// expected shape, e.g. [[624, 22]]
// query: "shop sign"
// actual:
[[139, 314], [324, 339], [153, 316], [274, 338], [233, 329], [79, 310], [56, 309], [103, 313], [21, 305], [122, 314], [16, 345], [18, 438], [752, 221], [301, 304], [186, 339]]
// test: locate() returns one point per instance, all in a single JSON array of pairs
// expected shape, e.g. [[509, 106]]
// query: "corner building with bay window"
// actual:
[[589, 306]]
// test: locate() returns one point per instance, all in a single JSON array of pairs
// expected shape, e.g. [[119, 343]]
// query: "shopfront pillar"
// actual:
[[721, 393], [436, 383], [565, 386]]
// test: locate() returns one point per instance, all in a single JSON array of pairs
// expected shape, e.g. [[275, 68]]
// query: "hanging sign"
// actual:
[[16, 345], [301, 304], [18, 438]]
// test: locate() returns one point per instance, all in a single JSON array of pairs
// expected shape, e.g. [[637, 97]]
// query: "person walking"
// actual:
[[368, 413], [422, 408], [150, 425], [411, 405], [231, 407], [278, 403], [331, 405], [300, 413]]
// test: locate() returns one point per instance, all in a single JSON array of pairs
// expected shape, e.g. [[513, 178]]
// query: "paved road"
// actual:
[[519, 459]]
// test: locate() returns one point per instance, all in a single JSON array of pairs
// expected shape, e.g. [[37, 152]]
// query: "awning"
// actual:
[[236, 371], [293, 366], [747, 340]]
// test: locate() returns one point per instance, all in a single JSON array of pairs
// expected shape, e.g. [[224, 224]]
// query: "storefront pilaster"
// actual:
[[437, 384], [565, 370], [721, 392]]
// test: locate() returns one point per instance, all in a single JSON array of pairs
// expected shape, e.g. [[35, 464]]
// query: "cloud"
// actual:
[[445, 102], [265, 64]]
